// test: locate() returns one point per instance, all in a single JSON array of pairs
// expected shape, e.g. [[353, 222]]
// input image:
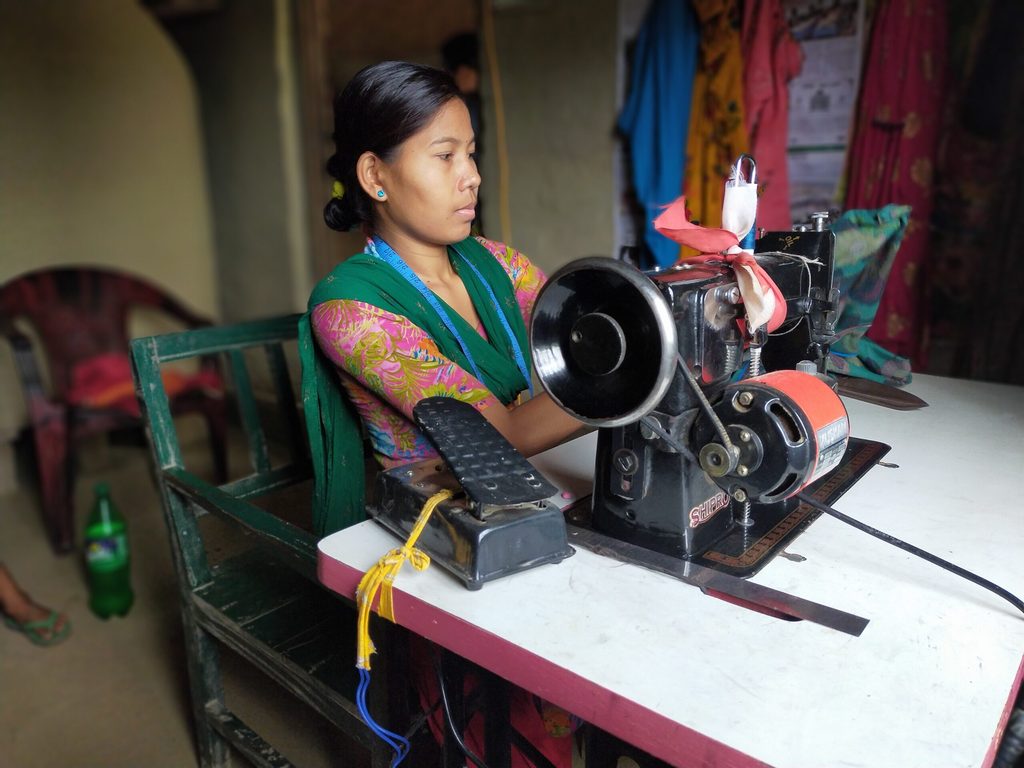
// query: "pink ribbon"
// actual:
[[764, 302]]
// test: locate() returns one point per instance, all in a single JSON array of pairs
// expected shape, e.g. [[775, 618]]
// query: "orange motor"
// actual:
[[787, 429]]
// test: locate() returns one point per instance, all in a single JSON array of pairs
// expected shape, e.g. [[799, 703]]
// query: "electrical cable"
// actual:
[[1015, 601], [398, 743], [528, 751], [449, 720], [380, 578]]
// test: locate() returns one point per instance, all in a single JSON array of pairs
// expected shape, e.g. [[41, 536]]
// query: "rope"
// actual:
[[381, 577]]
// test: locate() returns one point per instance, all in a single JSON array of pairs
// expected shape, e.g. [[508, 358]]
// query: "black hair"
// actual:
[[381, 107]]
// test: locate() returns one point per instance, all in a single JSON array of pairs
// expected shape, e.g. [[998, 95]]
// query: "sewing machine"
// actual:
[[706, 433]]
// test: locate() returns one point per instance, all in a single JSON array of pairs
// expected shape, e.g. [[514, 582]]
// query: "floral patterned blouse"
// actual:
[[387, 364]]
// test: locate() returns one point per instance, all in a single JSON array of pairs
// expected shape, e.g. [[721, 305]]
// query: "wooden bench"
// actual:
[[255, 590]]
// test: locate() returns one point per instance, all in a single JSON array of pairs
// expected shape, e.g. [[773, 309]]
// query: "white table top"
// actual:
[[697, 681]]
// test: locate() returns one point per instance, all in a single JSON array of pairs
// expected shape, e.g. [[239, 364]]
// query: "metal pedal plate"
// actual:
[[488, 468]]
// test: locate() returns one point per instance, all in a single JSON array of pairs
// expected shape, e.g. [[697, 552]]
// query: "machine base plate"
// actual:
[[744, 551]]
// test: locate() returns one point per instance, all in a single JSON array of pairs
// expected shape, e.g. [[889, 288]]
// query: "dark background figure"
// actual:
[[461, 58]]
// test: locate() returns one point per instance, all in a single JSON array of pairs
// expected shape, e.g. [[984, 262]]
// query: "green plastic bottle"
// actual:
[[106, 558]]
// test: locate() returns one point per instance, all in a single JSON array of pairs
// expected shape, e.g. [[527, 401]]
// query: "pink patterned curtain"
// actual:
[[893, 153]]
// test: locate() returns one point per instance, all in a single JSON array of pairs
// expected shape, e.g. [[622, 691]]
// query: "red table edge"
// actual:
[[635, 724], [990, 755]]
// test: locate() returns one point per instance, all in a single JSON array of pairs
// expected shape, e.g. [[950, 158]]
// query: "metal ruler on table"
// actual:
[[721, 585]]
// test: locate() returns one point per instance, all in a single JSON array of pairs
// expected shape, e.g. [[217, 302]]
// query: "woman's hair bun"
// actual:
[[340, 214]]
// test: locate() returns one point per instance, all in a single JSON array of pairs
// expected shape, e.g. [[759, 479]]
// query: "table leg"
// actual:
[[497, 735]]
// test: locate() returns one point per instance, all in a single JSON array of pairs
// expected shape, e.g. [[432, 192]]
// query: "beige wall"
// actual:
[[557, 62], [100, 153], [242, 62], [364, 32], [103, 159], [557, 65]]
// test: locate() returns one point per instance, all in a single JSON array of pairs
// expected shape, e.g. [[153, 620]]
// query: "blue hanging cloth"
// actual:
[[656, 116]]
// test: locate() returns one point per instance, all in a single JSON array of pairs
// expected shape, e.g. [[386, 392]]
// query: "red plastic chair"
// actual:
[[80, 316]]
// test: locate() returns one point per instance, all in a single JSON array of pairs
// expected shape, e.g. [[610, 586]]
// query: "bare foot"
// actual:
[[17, 605]]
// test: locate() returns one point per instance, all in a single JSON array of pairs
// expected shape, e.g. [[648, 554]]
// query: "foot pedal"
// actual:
[[505, 523], [489, 469]]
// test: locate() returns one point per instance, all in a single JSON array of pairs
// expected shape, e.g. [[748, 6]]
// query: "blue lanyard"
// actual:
[[386, 253], [513, 342]]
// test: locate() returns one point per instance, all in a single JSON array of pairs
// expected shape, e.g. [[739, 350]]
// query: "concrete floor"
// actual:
[[116, 693]]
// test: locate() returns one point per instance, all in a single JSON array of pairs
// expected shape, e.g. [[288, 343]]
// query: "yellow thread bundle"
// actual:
[[381, 577]]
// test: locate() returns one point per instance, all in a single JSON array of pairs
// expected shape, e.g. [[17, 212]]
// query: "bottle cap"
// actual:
[[102, 488], [807, 366]]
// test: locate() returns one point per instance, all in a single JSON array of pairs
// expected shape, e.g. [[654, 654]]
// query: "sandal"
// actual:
[[41, 632]]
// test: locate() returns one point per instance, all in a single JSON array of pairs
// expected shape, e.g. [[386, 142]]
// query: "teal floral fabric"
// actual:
[[866, 244]]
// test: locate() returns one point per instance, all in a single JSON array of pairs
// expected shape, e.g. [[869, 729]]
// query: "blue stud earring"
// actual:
[[380, 193]]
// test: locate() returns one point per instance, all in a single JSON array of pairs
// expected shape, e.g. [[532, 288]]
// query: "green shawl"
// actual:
[[332, 424]]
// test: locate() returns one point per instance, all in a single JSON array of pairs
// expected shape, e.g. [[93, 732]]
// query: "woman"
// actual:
[[424, 310]]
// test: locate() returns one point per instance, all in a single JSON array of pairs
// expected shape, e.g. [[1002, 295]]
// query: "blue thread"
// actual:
[[748, 241]]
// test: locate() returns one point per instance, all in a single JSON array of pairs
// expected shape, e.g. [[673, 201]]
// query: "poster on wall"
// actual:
[[822, 99]]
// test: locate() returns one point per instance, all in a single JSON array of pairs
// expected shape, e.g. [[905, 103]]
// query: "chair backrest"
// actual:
[[80, 312], [254, 591], [186, 494]]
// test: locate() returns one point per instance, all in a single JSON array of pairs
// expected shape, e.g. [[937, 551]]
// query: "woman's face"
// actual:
[[431, 183]]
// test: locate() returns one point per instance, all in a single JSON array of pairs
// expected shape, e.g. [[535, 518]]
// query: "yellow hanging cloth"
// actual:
[[718, 133]]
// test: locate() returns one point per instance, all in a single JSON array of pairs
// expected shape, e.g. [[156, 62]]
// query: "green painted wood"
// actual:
[[296, 546], [315, 629], [187, 550], [245, 739], [281, 628], [186, 541], [268, 482], [217, 339], [286, 402], [249, 412], [335, 705], [266, 603], [153, 401], [205, 688], [252, 584]]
